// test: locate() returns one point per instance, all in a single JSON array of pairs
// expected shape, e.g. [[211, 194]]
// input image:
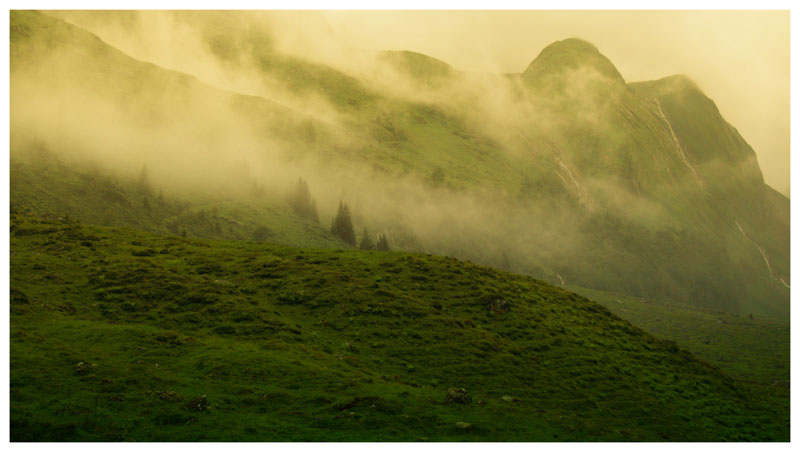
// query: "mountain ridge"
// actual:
[[603, 156]]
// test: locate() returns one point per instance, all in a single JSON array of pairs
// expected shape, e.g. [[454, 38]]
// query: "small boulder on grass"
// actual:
[[83, 368], [198, 404], [499, 306], [458, 395], [169, 396]]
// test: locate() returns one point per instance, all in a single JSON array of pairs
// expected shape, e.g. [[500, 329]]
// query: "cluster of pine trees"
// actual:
[[366, 242], [342, 224], [342, 227]]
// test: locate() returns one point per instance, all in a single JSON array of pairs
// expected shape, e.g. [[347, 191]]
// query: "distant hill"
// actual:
[[420, 68]]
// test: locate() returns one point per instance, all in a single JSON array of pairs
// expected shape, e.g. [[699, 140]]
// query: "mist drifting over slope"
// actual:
[[562, 171], [708, 46]]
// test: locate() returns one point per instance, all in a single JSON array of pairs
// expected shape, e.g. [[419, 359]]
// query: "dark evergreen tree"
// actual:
[[342, 226], [437, 177], [383, 244], [366, 241], [301, 202]]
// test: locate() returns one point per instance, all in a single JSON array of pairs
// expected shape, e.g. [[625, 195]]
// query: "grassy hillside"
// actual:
[[45, 184], [745, 347], [123, 335]]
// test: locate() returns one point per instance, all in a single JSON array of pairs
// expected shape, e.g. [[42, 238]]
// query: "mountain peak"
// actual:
[[577, 44], [559, 58]]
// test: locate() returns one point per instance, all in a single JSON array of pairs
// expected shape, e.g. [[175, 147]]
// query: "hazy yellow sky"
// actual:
[[739, 58]]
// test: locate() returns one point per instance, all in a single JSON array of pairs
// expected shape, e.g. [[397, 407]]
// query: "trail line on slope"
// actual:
[[678, 145], [763, 255]]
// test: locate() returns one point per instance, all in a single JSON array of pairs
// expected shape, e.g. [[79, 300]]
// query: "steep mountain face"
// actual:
[[663, 142], [564, 172], [738, 206]]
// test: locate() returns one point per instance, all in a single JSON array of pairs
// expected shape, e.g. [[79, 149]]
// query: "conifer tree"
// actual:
[[437, 177], [383, 244], [366, 241], [301, 201], [342, 226]]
